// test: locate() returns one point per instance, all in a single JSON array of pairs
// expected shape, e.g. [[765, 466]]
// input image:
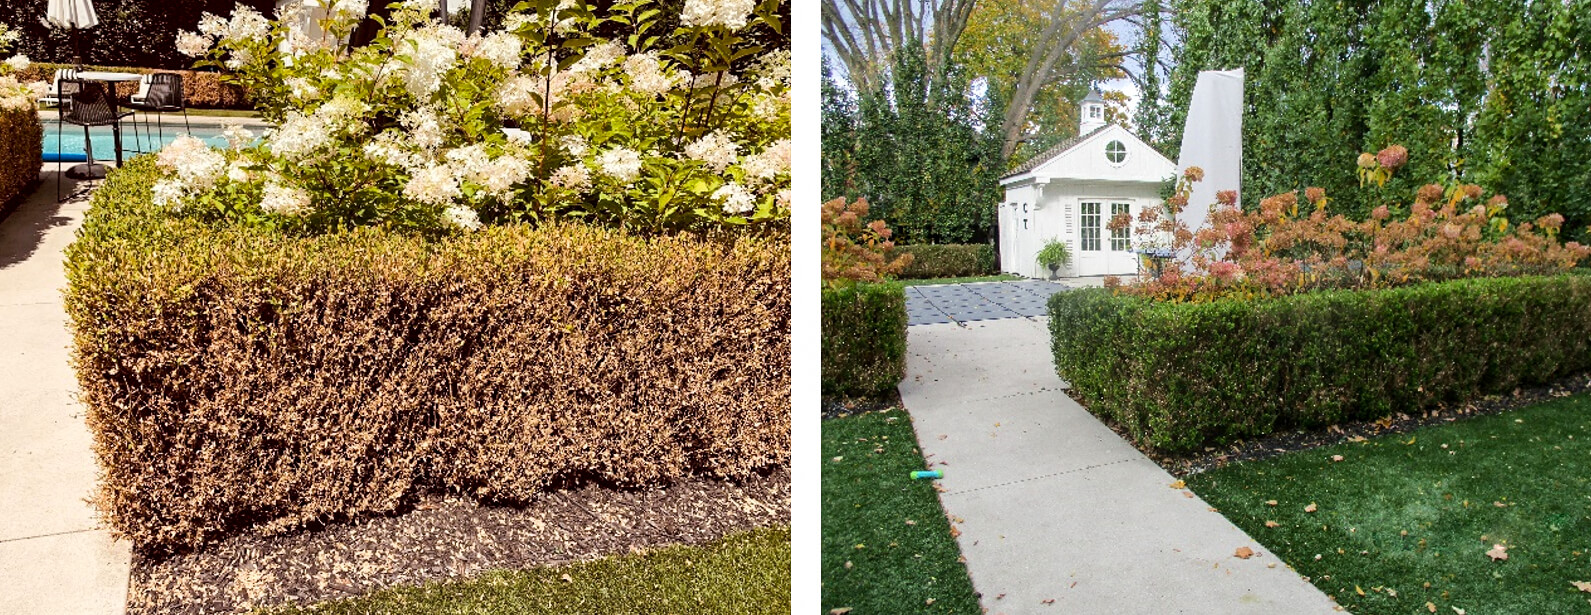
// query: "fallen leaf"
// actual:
[[1270, 502], [1243, 553], [1050, 601], [910, 522], [838, 459], [1358, 590], [955, 532], [1584, 586], [943, 436], [848, 564], [567, 579], [1498, 553], [1179, 484], [929, 602], [1392, 592], [1430, 607], [1269, 523], [840, 611], [1499, 505], [1187, 494], [1000, 597], [1336, 457], [1310, 508], [1458, 611]]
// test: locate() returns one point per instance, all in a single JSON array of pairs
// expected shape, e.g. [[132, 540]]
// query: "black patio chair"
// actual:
[[164, 96], [90, 106]]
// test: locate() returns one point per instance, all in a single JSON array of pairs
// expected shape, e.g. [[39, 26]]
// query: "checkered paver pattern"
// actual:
[[929, 305]]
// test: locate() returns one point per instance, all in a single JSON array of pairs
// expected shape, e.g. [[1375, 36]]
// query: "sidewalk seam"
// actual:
[[1051, 475], [50, 535]]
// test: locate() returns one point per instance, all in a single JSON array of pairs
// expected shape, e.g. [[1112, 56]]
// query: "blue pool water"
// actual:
[[71, 138]]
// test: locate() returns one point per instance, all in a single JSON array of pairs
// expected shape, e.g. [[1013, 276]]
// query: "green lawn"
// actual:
[[1406, 520], [985, 278], [886, 543], [743, 573]]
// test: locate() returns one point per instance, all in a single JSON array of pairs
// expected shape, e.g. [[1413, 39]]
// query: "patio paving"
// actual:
[[1057, 513], [54, 557], [937, 304]]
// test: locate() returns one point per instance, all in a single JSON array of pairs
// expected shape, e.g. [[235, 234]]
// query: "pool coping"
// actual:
[[50, 115]]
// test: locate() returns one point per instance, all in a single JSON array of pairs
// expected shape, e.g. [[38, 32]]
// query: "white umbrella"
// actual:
[[74, 14]]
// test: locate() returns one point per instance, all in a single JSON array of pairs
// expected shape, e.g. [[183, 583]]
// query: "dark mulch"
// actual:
[[1299, 439], [836, 406], [449, 537]]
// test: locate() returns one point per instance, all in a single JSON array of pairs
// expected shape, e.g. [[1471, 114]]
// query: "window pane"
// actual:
[[1090, 227], [1119, 240]]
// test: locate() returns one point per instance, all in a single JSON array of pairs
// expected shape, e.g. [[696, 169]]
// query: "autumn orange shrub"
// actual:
[[1293, 244], [854, 251]]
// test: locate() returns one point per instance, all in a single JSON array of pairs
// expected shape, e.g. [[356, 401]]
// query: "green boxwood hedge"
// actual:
[[864, 339], [21, 149], [1178, 376], [949, 260]]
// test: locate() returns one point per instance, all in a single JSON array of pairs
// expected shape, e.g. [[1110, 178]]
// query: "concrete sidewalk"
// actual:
[[52, 558], [1053, 505]]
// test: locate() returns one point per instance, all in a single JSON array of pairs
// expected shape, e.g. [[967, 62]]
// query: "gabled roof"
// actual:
[[1052, 153]]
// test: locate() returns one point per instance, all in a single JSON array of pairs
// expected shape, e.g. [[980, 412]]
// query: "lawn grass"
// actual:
[[1004, 277], [1406, 520], [743, 573], [887, 546]]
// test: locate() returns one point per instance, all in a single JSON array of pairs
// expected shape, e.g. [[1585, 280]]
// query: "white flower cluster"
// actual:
[[574, 177], [715, 149], [285, 200], [620, 163], [18, 62], [647, 75], [18, 96], [770, 163], [237, 136], [736, 198], [730, 14], [433, 53], [773, 70], [196, 167], [193, 44], [462, 217], [301, 135], [501, 48]]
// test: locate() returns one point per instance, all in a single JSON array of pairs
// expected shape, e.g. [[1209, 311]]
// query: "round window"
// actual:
[[1115, 152]]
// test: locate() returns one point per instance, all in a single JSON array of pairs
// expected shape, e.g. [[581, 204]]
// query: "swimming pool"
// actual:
[[71, 138]]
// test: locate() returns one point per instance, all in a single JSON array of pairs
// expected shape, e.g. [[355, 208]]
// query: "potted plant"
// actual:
[[1053, 255]]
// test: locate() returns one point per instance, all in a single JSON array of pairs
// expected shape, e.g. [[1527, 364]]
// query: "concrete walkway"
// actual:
[[1054, 506], [52, 558]]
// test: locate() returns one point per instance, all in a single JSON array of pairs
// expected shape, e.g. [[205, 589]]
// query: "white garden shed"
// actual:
[[1070, 193]]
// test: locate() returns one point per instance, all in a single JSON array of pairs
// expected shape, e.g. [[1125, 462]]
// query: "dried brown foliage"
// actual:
[[854, 251], [236, 378]]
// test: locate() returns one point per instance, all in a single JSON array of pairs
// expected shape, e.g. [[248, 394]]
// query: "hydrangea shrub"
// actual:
[[429, 128], [16, 95], [1292, 243]]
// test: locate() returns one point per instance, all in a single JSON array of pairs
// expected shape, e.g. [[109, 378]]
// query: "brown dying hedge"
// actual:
[[201, 89], [238, 379], [21, 150]]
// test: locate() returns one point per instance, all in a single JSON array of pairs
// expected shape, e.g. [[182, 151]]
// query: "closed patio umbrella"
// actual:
[[75, 15]]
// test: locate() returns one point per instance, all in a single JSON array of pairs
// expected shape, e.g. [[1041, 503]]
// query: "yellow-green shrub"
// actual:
[[237, 378], [21, 150]]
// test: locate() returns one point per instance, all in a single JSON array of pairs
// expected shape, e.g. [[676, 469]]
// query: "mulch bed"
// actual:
[[1296, 440], [446, 537]]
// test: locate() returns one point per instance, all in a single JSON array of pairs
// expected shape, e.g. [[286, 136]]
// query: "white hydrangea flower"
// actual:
[[520, 21], [237, 172], [193, 44], [237, 136], [435, 185], [18, 62], [599, 57], [197, 166], [502, 174], [239, 58], [433, 53], [731, 14], [168, 192], [646, 74], [392, 147], [574, 177], [516, 96], [425, 128], [735, 197], [774, 70], [468, 162], [248, 24], [351, 8], [214, 25], [502, 49], [715, 149], [767, 107], [782, 199], [621, 164], [574, 144], [771, 162], [721, 79], [285, 200], [301, 89], [298, 136], [462, 217], [343, 115]]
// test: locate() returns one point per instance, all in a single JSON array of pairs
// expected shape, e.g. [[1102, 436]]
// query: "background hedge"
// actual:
[[236, 378], [130, 32], [21, 149], [949, 260], [864, 339], [200, 89], [1179, 376]]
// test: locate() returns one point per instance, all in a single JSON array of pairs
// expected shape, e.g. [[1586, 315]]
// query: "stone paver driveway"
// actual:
[[932, 305]]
